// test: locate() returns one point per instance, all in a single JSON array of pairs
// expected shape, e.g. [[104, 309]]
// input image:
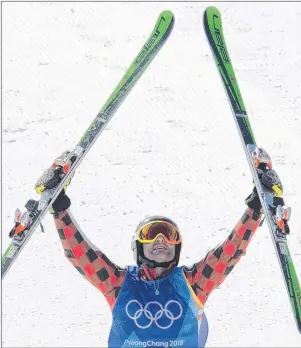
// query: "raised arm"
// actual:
[[88, 259], [206, 275], [83, 255], [210, 272]]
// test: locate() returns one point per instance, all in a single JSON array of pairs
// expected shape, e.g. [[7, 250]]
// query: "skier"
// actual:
[[155, 303]]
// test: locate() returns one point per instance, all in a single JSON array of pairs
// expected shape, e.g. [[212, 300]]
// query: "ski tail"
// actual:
[[212, 22]]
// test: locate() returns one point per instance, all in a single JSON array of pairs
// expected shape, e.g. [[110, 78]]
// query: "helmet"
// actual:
[[137, 246]]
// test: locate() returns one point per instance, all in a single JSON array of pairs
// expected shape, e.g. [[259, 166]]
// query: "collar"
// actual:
[[150, 273]]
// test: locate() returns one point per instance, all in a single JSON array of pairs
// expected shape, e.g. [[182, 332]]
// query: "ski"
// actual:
[[212, 22], [26, 223]]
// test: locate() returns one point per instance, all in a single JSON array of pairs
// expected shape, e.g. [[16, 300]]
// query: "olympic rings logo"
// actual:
[[160, 311]]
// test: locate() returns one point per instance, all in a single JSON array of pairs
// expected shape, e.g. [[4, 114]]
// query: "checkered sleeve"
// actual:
[[209, 273], [87, 259]]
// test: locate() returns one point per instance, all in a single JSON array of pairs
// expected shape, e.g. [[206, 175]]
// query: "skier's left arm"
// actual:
[[209, 273]]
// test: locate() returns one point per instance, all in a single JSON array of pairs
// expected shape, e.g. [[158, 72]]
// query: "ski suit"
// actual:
[[175, 315]]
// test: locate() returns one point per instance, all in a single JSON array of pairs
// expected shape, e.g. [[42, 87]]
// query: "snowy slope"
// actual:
[[172, 149]]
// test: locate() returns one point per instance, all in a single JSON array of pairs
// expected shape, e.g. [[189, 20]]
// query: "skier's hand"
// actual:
[[270, 180], [51, 178]]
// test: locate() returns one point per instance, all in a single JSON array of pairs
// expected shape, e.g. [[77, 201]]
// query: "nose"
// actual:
[[160, 239]]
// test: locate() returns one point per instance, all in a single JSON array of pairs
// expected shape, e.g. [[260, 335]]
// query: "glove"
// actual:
[[52, 177], [270, 180]]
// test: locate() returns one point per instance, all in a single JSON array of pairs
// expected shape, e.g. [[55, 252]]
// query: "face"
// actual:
[[159, 250]]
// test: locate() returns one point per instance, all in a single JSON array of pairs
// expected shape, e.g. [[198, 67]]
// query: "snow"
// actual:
[[172, 149]]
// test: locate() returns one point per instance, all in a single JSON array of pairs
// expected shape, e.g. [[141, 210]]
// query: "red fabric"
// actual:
[[68, 233], [241, 230], [229, 248], [89, 269], [101, 287], [78, 251], [220, 267], [209, 285], [113, 279]]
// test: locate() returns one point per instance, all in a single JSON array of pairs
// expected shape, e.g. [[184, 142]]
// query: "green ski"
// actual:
[[213, 28], [36, 209]]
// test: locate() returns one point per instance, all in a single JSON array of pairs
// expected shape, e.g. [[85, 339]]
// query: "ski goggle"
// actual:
[[151, 231]]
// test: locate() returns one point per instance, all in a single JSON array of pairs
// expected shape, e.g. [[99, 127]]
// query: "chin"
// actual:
[[161, 259]]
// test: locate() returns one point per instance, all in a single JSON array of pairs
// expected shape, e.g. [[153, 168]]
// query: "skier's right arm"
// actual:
[[83, 255], [87, 259]]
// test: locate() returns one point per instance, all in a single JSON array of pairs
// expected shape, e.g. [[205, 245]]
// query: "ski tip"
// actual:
[[211, 12], [166, 19], [211, 20], [167, 14]]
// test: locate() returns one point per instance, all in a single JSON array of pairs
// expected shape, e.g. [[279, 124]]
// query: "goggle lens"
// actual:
[[151, 231]]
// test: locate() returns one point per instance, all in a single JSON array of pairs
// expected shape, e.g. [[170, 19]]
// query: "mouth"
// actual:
[[160, 248]]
